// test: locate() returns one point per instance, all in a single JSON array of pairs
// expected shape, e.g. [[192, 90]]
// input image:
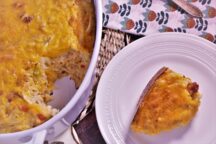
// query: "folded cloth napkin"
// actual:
[[144, 17]]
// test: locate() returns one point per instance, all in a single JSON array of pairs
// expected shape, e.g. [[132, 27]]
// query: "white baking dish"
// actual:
[[71, 108]]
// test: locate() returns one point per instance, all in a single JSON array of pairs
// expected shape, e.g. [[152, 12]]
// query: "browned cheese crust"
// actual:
[[169, 100]]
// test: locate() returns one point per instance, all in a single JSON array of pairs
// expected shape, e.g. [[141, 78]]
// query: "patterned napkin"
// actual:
[[144, 17]]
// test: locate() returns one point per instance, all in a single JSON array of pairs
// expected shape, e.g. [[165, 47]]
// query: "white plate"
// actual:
[[128, 73]]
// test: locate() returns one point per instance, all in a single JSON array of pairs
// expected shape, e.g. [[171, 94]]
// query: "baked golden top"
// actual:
[[35, 35], [170, 100]]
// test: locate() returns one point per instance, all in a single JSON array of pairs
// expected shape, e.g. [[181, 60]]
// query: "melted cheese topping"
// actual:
[[32, 33], [168, 104]]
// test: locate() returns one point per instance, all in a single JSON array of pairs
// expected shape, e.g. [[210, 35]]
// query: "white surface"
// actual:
[[128, 73], [66, 137], [63, 92]]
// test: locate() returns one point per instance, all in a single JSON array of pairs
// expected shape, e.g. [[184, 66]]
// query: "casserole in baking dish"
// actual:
[[40, 42]]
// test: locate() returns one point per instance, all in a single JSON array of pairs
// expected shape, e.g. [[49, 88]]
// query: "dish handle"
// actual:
[[37, 138], [49, 133]]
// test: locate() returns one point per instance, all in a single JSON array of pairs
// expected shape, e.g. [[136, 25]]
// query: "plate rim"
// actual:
[[105, 133]]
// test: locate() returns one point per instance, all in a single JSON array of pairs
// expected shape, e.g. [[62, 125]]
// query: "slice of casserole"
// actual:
[[40, 42], [170, 100]]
